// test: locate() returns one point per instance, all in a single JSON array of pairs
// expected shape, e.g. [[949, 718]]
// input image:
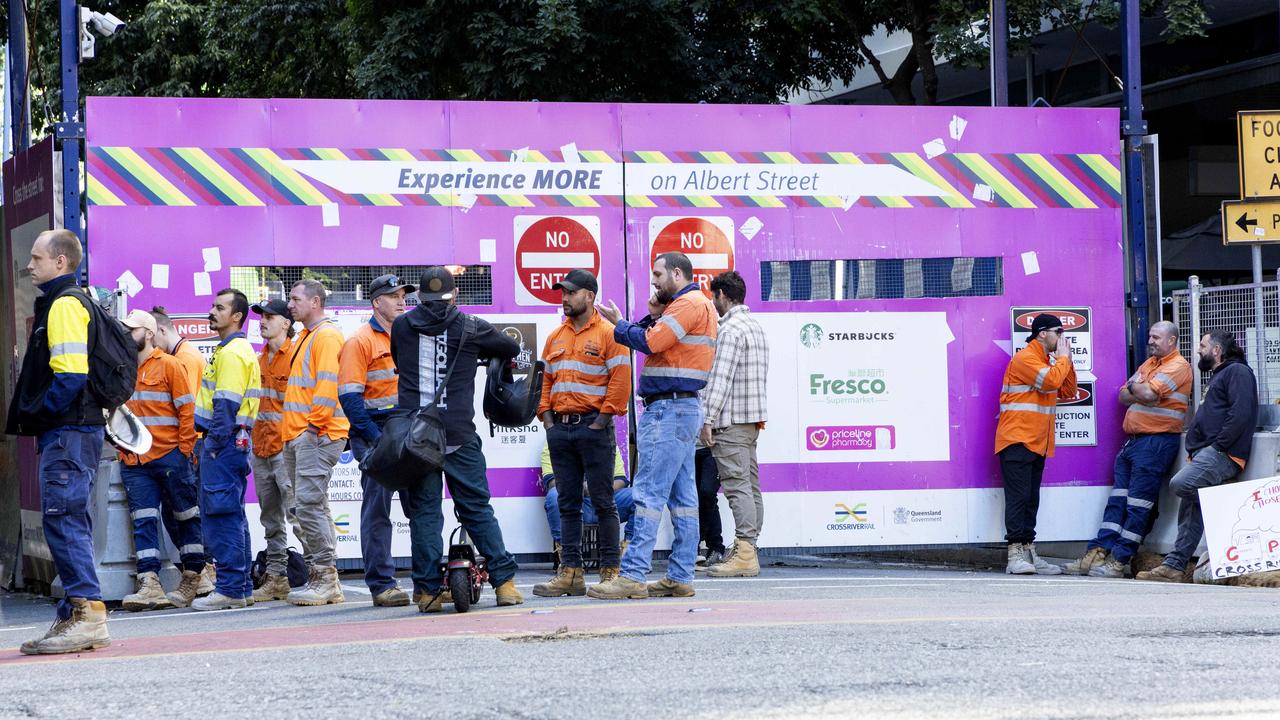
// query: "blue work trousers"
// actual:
[[375, 526], [67, 467], [664, 477], [1141, 466], [223, 477], [164, 488]]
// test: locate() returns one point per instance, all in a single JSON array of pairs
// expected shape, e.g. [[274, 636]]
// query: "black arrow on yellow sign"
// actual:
[[1244, 222]]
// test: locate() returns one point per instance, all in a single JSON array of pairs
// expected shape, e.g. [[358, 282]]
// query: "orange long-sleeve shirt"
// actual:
[[267, 440], [1029, 399], [163, 403], [587, 370], [193, 363], [311, 398]]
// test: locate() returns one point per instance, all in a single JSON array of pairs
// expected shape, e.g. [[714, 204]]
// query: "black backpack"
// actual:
[[296, 568], [113, 356]]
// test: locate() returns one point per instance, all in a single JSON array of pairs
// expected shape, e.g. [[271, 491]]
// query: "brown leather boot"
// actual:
[[569, 581], [609, 573], [273, 587], [86, 629], [188, 589], [742, 563]]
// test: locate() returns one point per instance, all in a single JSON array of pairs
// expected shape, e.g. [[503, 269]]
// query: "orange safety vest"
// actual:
[[311, 398], [1170, 378], [1029, 399], [267, 440], [163, 404], [587, 370], [366, 367]]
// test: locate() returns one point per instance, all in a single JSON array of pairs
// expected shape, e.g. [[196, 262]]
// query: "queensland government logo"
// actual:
[[811, 336], [907, 516], [851, 518]]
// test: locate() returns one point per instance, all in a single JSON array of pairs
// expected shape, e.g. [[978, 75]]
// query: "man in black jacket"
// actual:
[[1219, 441], [424, 343]]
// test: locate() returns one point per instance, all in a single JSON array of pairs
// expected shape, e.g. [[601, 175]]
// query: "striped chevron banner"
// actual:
[[257, 176]]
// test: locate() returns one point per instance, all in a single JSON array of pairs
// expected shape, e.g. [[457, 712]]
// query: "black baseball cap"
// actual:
[[272, 307], [436, 284], [387, 284], [578, 280], [1043, 321]]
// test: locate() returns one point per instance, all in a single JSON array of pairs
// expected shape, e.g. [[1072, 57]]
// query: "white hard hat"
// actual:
[[126, 431]]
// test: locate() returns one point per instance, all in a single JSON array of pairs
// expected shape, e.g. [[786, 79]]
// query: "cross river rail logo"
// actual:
[[811, 336], [851, 518], [342, 524]]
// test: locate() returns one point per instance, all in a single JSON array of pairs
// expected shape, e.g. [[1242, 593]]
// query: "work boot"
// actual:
[[1094, 557], [713, 557], [1111, 568], [208, 580], [666, 587], [150, 595], [273, 587], [509, 595], [391, 597], [569, 581], [85, 629], [743, 562], [1042, 567], [619, 588], [187, 589], [555, 557], [622, 550], [429, 603], [607, 574], [217, 601], [1018, 562], [1163, 573], [322, 588]]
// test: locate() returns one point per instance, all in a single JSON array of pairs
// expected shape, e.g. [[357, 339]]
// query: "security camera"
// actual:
[[106, 24]]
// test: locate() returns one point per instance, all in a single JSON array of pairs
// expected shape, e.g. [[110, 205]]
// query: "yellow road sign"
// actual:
[[1250, 222], [1258, 146]]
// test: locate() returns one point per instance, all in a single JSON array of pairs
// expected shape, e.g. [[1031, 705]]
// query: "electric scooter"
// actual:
[[465, 571]]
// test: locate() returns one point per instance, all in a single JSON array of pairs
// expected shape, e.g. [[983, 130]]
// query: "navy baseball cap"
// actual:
[[578, 280], [272, 307], [387, 284]]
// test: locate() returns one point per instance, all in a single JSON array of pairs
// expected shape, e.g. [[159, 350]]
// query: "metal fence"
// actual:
[[1239, 309]]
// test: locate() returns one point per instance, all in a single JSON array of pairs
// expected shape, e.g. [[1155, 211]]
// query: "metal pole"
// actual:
[[1132, 128], [1193, 296], [1259, 325], [71, 129], [999, 53], [19, 87]]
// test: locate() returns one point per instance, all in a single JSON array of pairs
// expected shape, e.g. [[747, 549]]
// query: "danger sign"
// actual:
[[547, 248], [708, 241]]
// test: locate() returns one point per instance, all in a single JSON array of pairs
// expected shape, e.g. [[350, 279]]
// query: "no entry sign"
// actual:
[[708, 241], [547, 248]]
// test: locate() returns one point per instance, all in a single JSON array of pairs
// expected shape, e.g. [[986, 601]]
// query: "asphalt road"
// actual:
[[845, 640]]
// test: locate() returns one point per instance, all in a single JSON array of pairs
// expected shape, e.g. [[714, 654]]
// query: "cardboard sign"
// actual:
[[1242, 527]]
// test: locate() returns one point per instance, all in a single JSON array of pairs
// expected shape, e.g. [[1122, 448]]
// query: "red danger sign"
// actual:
[[708, 241], [547, 248]]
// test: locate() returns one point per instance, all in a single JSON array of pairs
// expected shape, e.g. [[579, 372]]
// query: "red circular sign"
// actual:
[[705, 243], [548, 250]]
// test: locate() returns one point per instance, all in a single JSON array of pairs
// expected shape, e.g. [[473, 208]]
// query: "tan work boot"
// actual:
[[666, 587], [86, 629], [1095, 556], [508, 594], [187, 590], [619, 588], [322, 588], [426, 603], [217, 601], [555, 556], [273, 587], [208, 580], [391, 597], [608, 573], [150, 595], [1162, 573], [569, 581], [742, 563]]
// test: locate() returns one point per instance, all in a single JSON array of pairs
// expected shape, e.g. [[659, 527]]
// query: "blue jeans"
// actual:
[[164, 488], [375, 526], [664, 476], [464, 470], [1208, 468], [621, 500], [223, 477], [1140, 468], [67, 467]]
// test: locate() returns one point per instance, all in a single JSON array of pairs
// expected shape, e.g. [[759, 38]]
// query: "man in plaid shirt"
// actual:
[[733, 404]]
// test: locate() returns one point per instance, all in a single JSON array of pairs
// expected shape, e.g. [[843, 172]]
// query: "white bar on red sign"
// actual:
[[556, 260], [709, 261]]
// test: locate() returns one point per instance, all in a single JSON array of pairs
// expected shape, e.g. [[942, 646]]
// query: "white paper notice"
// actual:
[[212, 259], [934, 148], [958, 124], [160, 277], [983, 192], [390, 236], [203, 284], [131, 283], [520, 154], [570, 153], [329, 214], [488, 250], [466, 202], [254, 331], [751, 227], [1030, 262]]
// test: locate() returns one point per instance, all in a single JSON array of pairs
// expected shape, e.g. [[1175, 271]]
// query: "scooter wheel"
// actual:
[[460, 589]]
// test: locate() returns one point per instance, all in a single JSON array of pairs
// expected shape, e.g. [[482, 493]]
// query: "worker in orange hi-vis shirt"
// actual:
[[1037, 376]]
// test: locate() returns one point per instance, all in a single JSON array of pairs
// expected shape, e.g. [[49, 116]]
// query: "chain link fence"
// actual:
[[349, 284], [1202, 309]]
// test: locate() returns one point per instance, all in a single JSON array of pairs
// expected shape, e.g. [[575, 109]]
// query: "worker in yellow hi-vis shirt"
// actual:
[[226, 408], [53, 404]]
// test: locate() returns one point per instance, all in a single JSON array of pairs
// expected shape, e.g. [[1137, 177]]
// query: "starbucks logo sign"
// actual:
[[811, 335]]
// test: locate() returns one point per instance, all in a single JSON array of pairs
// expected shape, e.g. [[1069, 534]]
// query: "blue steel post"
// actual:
[[1132, 129], [70, 128], [999, 53], [19, 87]]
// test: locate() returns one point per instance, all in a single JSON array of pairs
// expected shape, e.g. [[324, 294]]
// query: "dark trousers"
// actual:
[[580, 454], [68, 466], [1022, 471], [464, 470], [375, 526], [1140, 469], [164, 488], [707, 477]]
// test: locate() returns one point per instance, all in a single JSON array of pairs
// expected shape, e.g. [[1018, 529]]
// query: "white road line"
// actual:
[[357, 589], [852, 587], [24, 627], [158, 616]]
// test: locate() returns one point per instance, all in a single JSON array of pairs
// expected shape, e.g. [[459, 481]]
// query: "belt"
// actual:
[[575, 418], [651, 399]]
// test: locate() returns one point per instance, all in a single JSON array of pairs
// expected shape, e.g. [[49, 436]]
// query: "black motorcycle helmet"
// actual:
[[509, 402]]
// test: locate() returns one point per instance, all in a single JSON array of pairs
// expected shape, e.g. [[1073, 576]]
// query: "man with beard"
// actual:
[[161, 480], [426, 342], [679, 337], [367, 389], [1218, 442], [1156, 397], [226, 409], [586, 384]]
